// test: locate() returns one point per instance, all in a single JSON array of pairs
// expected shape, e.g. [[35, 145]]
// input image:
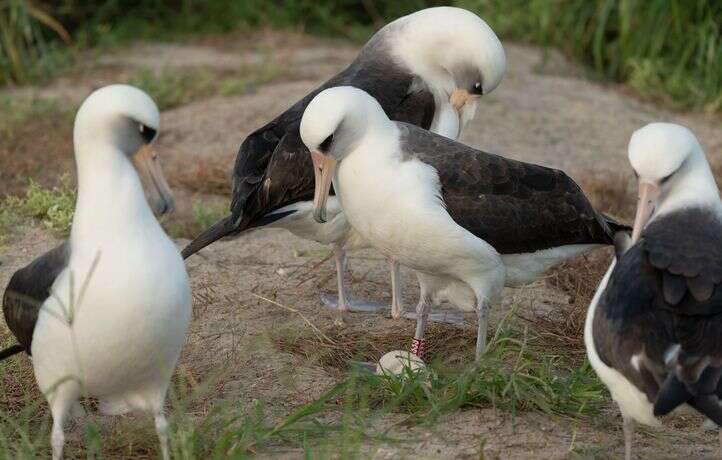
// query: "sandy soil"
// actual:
[[545, 111]]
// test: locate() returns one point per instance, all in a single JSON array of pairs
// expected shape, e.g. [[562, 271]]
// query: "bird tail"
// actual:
[[690, 383], [226, 227], [10, 351], [215, 232], [613, 227]]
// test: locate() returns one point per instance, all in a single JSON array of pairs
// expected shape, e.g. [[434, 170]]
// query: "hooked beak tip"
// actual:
[[164, 206], [320, 217]]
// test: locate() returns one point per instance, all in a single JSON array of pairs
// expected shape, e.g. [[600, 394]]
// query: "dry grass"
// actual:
[[609, 192], [39, 146], [207, 177], [564, 326], [347, 344]]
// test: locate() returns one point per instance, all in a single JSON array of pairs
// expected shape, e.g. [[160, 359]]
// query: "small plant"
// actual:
[[53, 207]]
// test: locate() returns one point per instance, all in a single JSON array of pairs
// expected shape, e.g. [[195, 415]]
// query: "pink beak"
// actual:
[[648, 196], [324, 167]]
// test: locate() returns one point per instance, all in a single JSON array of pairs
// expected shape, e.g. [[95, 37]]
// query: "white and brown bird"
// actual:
[[653, 330], [467, 221], [105, 313], [429, 68]]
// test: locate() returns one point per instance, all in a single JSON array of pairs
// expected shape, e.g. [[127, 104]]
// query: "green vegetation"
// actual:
[[172, 87], [25, 51], [52, 207], [664, 48], [670, 49], [519, 372], [514, 376]]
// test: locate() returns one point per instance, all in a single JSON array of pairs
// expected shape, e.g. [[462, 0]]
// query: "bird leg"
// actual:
[[340, 256], [342, 303], [482, 312], [628, 428], [396, 308], [61, 403], [418, 345], [161, 428]]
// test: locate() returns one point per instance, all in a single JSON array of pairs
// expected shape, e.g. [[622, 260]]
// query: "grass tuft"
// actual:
[[53, 207], [517, 373]]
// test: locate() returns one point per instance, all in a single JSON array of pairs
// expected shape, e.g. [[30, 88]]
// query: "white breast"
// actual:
[[128, 326]]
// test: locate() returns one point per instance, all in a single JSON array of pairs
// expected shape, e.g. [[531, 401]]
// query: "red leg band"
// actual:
[[418, 347]]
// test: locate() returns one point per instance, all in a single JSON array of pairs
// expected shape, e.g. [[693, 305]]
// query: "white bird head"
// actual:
[[452, 50], [332, 124], [122, 118], [672, 171]]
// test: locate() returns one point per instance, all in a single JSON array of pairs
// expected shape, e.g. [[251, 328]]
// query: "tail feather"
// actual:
[[215, 232], [701, 394], [673, 393], [10, 351], [612, 227]]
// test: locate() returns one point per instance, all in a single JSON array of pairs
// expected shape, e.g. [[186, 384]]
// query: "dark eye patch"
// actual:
[[326, 144], [147, 133], [477, 88], [666, 178]]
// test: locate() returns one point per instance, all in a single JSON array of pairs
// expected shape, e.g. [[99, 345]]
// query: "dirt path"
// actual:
[[545, 111]]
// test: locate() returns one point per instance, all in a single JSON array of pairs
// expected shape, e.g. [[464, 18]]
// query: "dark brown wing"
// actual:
[[514, 206], [687, 250], [374, 71], [664, 302], [29, 287]]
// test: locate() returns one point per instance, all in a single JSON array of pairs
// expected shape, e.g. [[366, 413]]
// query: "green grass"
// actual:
[[518, 373], [52, 207], [25, 51], [667, 49], [173, 87], [359, 412]]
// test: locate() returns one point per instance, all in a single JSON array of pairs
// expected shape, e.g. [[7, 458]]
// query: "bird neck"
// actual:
[[111, 205]]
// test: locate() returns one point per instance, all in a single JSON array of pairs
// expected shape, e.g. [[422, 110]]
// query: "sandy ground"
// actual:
[[545, 111]]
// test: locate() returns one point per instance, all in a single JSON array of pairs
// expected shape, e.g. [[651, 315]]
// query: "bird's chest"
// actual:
[[118, 284], [390, 206]]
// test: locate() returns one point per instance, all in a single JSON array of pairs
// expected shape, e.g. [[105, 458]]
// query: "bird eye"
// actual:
[[147, 133], [326, 144], [477, 88]]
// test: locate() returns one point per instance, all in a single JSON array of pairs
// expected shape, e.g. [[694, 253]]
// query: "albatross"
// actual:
[[468, 222], [106, 312], [428, 68], [652, 331]]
